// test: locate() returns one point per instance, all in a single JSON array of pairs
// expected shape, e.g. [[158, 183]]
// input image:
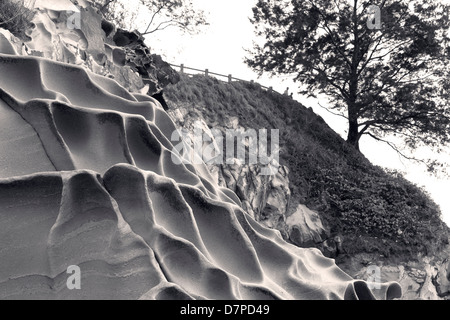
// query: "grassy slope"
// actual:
[[375, 210]]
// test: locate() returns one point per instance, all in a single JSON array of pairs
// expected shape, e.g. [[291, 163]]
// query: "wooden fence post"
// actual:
[[230, 77]]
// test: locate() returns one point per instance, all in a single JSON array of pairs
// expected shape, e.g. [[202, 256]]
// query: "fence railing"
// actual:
[[229, 78]]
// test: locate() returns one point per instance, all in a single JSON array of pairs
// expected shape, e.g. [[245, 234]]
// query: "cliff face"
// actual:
[[90, 181], [265, 197]]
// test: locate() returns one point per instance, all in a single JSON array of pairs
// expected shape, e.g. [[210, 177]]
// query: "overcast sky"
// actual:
[[220, 48]]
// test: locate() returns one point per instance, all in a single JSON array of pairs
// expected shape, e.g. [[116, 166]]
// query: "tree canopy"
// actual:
[[384, 65], [162, 14]]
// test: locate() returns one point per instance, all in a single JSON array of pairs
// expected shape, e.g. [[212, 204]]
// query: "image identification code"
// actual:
[[235, 309]]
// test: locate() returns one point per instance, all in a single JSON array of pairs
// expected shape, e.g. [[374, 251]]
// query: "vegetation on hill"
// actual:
[[15, 16], [376, 210]]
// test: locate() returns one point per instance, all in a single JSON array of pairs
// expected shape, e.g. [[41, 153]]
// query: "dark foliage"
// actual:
[[388, 80]]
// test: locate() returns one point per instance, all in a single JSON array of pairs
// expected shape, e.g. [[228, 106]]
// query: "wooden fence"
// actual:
[[228, 78]]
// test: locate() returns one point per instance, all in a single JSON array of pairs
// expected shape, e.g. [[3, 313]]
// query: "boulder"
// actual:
[[155, 72], [123, 38], [332, 246], [164, 72], [420, 280], [442, 279], [305, 227]]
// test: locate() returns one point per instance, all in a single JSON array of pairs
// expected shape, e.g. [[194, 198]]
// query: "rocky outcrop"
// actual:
[[424, 279], [442, 279], [305, 227], [162, 72], [131, 51], [77, 34], [265, 197]]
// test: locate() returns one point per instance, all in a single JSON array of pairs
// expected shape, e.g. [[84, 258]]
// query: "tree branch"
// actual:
[[394, 147], [153, 18], [333, 113], [167, 24], [344, 94], [330, 33]]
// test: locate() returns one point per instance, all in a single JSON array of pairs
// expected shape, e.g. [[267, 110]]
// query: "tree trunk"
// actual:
[[353, 134], [353, 127]]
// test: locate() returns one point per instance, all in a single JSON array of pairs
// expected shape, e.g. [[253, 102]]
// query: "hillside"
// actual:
[[372, 209]]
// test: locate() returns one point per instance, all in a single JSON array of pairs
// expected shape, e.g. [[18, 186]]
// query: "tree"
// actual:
[[384, 78], [162, 14]]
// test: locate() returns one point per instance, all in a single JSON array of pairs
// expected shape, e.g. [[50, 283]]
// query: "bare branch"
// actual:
[[153, 18], [394, 147], [165, 24], [333, 113]]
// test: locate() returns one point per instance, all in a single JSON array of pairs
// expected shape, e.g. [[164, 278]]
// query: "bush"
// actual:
[[384, 205], [15, 16]]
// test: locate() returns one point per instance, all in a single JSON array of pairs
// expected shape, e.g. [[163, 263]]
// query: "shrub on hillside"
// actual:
[[386, 206], [15, 16]]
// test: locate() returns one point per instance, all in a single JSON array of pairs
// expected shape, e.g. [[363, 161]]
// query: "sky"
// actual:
[[221, 49]]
